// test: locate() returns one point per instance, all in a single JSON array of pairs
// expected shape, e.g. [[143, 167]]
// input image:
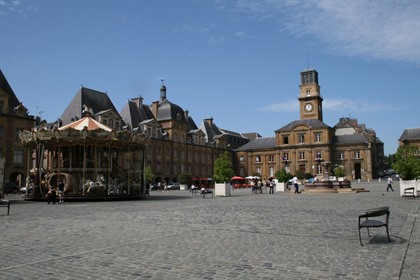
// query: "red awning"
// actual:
[[237, 178]]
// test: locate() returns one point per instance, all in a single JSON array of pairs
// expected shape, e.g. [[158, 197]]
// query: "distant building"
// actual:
[[410, 137], [310, 145], [175, 143], [14, 118]]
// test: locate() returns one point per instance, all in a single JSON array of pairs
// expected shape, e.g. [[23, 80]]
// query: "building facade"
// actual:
[[14, 118], [310, 145]]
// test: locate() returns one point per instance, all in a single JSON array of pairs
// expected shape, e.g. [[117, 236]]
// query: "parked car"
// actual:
[[174, 186], [23, 189]]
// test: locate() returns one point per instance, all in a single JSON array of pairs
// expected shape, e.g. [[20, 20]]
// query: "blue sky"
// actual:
[[237, 61]]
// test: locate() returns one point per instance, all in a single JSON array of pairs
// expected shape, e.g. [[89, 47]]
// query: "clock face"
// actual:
[[308, 107]]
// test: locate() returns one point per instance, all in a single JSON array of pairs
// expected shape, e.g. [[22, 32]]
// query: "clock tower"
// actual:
[[310, 95]]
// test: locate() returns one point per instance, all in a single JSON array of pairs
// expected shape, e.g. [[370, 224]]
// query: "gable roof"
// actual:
[[13, 100], [93, 99], [312, 123], [410, 134], [133, 115]]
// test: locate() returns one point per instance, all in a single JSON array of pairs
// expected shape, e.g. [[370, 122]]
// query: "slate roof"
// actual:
[[251, 135], [133, 115], [13, 100], [350, 139], [211, 131], [95, 100], [258, 143], [170, 111], [410, 134], [313, 123]]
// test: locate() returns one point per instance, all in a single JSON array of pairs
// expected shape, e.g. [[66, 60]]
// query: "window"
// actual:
[[1, 106], [308, 92], [270, 158], [301, 155], [318, 155], [271, 171], [301, 139], [285, 156], [258, 170], [17, 131], [18, 156], [318, 169], [257, 158], [285, 140], [357, 154], [241, 158], [317, 137], [341, 155], [302, 167]]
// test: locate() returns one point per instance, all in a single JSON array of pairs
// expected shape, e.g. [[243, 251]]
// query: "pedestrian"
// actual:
[[271, 184], [165, 186], [60, 192], [260, 185], [51, 196], [389, 185], [296, 184], [253, 187]]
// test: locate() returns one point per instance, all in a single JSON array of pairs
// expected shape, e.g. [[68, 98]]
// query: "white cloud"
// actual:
[[386, 30]]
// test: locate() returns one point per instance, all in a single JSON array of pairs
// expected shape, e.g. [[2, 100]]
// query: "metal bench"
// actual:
[[410, 192], [207, 192], [366, 221], [5, 203]]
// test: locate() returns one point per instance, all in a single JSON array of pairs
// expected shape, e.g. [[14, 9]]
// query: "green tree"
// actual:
[[407, 163], [148, 174], [339, 171], [300, 174], [185, 178], [283, 176], [223, 169]]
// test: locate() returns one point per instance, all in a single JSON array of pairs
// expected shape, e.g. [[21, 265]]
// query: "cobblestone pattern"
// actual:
[[173, 235]]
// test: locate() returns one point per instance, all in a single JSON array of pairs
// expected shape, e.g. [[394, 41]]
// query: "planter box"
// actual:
[[222, 189], [406, 184], [183, 187]]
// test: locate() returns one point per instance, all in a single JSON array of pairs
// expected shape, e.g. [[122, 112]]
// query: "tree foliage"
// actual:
[[407, 162], [283, 176], [223, 169], [148, 174], [185, 178], [339, 171]]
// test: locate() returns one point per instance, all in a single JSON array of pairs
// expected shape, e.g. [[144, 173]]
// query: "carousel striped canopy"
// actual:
[[87, 122]]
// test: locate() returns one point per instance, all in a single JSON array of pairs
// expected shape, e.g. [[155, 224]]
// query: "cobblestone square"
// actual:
[[172, 235]]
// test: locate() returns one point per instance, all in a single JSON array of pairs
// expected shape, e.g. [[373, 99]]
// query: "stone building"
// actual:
[[410, 137], [14, 118], [175, 143], [310, 145]]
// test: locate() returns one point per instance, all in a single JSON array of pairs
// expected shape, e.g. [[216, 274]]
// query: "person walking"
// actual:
[[389, 185], [60, 192], [296, 184]]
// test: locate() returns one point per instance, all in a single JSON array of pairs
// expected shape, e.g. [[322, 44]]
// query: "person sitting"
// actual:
[[51, 196]]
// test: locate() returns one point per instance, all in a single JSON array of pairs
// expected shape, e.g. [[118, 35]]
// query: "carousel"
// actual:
[[93, 161]]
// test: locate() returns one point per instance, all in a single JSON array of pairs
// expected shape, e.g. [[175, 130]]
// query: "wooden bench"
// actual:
[[366, 221], [5, 203]]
